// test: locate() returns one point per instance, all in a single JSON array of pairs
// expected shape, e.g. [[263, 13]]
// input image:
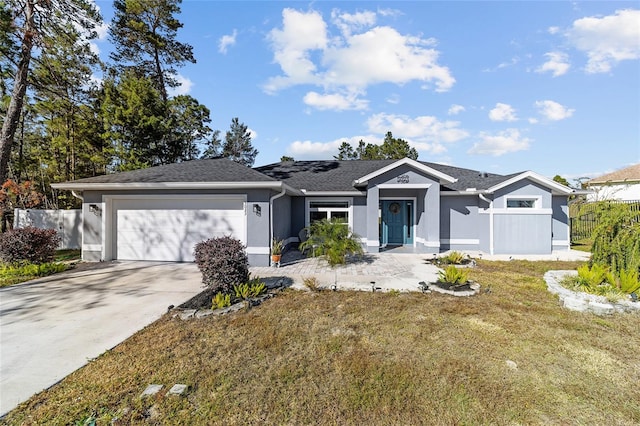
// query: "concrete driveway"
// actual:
[[52, 326]]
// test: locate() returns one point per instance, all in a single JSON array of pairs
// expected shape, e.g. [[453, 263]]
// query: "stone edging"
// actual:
[[475, 288], [585, 302], [185, 314]]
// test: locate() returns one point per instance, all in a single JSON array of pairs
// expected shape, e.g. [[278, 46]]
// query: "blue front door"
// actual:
[[396, 222]]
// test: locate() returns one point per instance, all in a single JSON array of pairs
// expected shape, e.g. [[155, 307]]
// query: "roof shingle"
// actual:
[[631, 173]]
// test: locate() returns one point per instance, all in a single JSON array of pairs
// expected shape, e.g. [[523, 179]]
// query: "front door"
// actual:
[[396, 222]]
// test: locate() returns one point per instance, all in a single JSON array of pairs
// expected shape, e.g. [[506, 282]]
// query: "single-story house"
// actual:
[[623, 185], [160, 213]]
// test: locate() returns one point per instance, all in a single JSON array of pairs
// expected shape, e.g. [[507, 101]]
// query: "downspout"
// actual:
[[482, 197], [81, 198], [271, 200]]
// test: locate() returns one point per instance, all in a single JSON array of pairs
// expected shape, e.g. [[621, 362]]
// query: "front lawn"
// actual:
[[508, 356]]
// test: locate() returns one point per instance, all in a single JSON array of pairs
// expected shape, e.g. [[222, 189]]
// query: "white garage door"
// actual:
[[168, 229]]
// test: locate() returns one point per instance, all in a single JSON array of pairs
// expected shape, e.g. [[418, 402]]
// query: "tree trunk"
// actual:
[[10, 124]]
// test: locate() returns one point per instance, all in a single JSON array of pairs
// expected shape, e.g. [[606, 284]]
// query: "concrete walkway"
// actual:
[[53, 326], [389, 270]]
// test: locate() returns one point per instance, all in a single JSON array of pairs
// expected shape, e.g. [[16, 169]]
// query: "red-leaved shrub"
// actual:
[[33, 245], [223, 262]]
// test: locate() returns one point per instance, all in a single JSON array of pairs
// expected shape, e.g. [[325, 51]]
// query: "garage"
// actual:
[[168, 228]]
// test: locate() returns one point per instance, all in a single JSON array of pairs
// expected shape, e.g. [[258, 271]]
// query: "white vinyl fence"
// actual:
[[68, 223]]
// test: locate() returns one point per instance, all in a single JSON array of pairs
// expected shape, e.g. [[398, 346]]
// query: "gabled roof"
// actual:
[[555, 187], [217, 172], [628, 174], [339, 176], [297, 177], [443, 177]]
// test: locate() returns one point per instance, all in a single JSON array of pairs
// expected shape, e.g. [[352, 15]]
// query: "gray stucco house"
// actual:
[[160, 213]]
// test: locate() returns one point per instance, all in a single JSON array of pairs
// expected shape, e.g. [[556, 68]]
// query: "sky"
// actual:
[[495, 86]]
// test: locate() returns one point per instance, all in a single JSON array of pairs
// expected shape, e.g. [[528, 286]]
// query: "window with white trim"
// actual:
[[522, 203], [328, 209]]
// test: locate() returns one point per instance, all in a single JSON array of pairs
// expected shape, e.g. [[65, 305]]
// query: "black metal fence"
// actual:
[[584, 220]]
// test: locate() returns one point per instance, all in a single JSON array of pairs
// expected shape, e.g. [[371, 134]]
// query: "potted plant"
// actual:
[[276, 251]]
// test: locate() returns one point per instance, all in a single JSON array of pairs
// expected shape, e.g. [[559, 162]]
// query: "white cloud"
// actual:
[[318, 150], [503, 112], [183, 88], [607, 40], [456, 109], [226, 41], [553, 111], [301, 33], [419, 130], [335, 101], [393, 99], [501, 143], [347, 22], [557, 63], [532, 120], [553, 30], [360, 56]]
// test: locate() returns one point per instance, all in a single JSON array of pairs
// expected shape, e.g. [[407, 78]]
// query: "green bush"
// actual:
[[223, 263], [28, 245], [453, 275], [254, 288], [333, 240], [221, 300], [453, 258], [590, 277], [628, 281]]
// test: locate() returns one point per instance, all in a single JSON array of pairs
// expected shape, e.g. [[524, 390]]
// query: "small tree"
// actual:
[[616, 239], [16, 195], [237, 145]]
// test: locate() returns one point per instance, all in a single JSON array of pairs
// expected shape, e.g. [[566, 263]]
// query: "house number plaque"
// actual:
[[403, 179]]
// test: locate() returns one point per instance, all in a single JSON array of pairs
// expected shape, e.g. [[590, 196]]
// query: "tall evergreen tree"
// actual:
[[346, 152], [134, 121], [237, 144], [396, 148], [391, 149], [144, 34], [188, 127], [32, 22]]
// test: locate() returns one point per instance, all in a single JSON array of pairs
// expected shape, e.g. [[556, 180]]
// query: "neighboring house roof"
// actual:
[[626, 175], [297, 177]]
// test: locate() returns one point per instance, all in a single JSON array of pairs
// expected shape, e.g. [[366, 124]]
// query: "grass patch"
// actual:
[[582, 245], [10, 275], [360, 357], [67, 255]]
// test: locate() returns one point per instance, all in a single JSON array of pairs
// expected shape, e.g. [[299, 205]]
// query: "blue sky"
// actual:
[[496, 86]]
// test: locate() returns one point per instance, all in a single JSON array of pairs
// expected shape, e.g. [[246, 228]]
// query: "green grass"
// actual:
[[11, 275], [68, 255], [369, 358], [582, 245]]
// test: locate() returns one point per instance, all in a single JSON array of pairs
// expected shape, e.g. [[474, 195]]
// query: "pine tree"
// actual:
[[144, 36], [237, 145], [32, 22]]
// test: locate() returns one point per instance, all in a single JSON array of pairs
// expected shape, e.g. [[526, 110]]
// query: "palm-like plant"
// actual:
[[333, 240]]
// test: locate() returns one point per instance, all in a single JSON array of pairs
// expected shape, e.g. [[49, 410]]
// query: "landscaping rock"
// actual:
[[585, 302], [177, 389], [151, 390]]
